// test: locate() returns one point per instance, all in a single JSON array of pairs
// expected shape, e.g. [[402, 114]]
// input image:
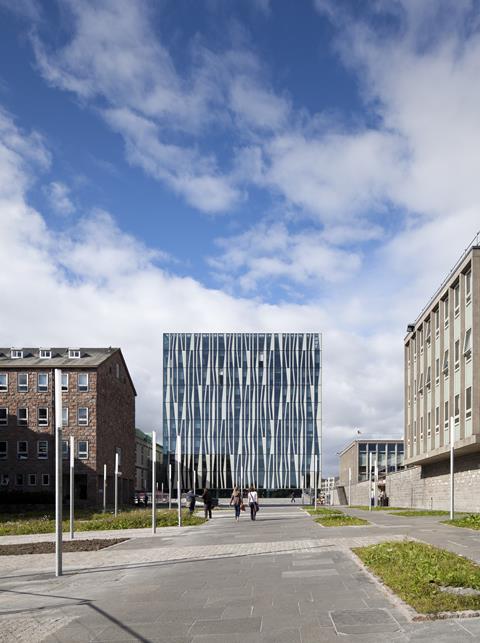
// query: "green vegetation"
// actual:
[[420, 512], [89, 521], [340, 520], [470, 521], [323, 511], [365, 508], [417, 572]]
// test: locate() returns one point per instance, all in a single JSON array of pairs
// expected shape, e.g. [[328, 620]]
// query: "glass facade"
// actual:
[[246, 408], [389, 457]]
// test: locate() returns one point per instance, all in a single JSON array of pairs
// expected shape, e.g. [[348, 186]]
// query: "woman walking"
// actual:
[[236, 501], [253, 502]]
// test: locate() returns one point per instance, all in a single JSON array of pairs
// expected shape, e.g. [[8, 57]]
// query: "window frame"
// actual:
[[456, 409], [64, 420], [22, 388], [82, 454], [16, 353], [42, 480], [42, 454], [19, 479], [4, 454], [456, 299], [4, 421], [42, 421], [81, 422], [45, 353], [468, 403], [65, 387], [4, 387], [74, 353], [22, 455], [456, 355], [42, 388], [467, 344], [468, 287], [82, 388], [31, 476], [445, 362], [22, 421]]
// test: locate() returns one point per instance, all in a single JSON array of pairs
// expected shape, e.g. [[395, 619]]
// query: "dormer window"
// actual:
[[45, 353], [16, 353], [74, 353]]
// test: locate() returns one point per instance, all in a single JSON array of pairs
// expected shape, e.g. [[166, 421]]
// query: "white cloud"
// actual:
[[58, 195]]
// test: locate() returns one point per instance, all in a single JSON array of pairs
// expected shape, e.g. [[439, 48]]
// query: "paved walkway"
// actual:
[[281, 578]]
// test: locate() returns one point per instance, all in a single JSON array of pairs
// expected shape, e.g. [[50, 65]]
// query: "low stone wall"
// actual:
[[428, 487]]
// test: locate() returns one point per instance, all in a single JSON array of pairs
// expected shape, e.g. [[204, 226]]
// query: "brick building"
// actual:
[[98, 399]]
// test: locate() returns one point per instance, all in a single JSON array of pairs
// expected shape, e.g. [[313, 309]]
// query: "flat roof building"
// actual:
[[389, 455], [246, 407], [442, 369]]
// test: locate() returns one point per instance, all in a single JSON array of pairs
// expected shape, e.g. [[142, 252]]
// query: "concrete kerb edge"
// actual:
[[409, 612]]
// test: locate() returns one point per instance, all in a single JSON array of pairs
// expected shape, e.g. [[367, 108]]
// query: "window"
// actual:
[[420, 340], [119, 451], [32, 479], [445, 362], [117, 371], [445, 312], [445, 416], [3, 416], [22, 382], [421, 428], [65, 449], [437, 370], [45, 353], [45, 479], [64, 415], [22, 450], [467, 344], [436, 315], [468, 403], [42, 416], [456, 299], [16, 353], [457, 354], [457, 408], [42, 450], [4, 479], [42, 382], [427, 331], [3, 449], [64, 381], [22, 417], [19, 479], [429, 424], [428, 380], [82, 416], [82, 450], [74, 353], [468, 287], [437, 419], [420, 385], [3, 382], [83, 382]]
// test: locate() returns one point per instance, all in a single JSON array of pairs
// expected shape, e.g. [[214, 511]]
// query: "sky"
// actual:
[[238, 166]]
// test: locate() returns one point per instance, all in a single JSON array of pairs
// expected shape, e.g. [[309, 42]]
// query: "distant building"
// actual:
[[98, 400], [246, 407], [143, 462], [389, 455]]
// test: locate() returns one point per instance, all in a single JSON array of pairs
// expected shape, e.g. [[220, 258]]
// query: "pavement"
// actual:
[[282, 578]]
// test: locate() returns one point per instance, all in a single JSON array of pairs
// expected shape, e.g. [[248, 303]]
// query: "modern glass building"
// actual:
[[246, 408], [354, 459]]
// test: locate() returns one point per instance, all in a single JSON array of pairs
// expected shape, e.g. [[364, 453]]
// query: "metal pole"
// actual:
[[179, 483], [349, 486], [104, 488], [154, 482], [72, 485], [169, 486], [58, 472], [375, 482], [452, 468], [369, 481], [316, 479], [116, 484]]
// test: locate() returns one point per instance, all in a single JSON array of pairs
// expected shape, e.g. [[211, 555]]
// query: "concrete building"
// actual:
[[389, 455], [247, 408], [98, 400], [143, 462]]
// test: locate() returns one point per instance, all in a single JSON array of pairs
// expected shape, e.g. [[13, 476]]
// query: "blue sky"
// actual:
[[253, 165]]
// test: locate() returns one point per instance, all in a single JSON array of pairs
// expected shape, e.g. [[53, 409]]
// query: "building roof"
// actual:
[[146, 437], [370, 441], [89, 357]]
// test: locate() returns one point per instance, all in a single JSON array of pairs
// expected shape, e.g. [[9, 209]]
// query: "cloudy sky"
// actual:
[[237, 165]]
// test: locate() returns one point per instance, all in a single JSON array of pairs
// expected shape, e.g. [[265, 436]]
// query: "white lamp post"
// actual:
[[58, 472], [154, 482]]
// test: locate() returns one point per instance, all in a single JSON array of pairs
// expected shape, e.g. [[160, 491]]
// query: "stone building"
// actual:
[[98, 399], [143, 462]]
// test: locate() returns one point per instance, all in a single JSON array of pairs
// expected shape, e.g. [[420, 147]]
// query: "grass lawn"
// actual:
[[416, 572], [324, 511], [88, 521], [365, 508], [471, 521], [420, 512], [340, 520]]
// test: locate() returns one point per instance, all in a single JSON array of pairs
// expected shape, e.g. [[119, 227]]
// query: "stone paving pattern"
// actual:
[[281, 579]]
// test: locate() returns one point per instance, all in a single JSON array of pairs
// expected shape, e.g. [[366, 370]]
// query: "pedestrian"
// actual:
[[236, 501], [191, 499], [207, 503], [253, 502], [292, 497]]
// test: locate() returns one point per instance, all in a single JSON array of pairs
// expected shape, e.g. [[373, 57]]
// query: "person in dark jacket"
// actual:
[[191, 499], [207, 503]]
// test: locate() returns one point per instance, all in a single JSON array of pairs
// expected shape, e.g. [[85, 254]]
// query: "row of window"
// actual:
[[42, 449], [42, 416], [30, 478], [446, 416], [42, 382], [44, 353]]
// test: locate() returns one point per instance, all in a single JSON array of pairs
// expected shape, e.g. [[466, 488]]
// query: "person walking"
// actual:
[[191, 499], [236, 501], [292, 497], [207, 503], [253, 502]]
